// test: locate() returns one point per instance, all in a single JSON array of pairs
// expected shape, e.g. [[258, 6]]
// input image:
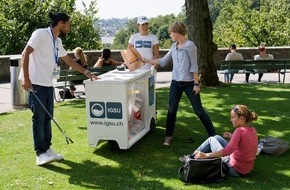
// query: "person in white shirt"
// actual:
[[145, 43], [262, 56], [39, 68], [233, 55]]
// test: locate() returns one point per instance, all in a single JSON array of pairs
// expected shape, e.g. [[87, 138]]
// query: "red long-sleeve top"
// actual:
[[242, 149]]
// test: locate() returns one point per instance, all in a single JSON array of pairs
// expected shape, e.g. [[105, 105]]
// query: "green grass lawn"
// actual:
[[147, 164]]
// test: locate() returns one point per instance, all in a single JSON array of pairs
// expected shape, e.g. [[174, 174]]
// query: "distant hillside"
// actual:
[[110, 27]]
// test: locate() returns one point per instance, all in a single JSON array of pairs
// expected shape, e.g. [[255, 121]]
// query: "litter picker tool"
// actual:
[[68, 140]]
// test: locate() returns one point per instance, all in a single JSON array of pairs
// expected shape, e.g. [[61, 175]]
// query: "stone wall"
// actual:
[[92, 57]]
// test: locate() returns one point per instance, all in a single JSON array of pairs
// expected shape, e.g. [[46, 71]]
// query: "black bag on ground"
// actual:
[[203, 170], [65, 94], [274, 146]]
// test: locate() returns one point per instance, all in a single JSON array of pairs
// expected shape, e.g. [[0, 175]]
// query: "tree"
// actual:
[[159, 26], [84, 32], [122, 37], [17, 22], [164, 38], [252, 22], [200, 32]]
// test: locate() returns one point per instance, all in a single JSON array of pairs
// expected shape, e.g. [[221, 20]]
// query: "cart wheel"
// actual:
[[113, 145], [152, 125]]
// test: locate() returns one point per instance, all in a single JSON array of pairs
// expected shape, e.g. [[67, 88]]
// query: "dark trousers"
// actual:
[[176, 90], [41, 122], [259, 78]]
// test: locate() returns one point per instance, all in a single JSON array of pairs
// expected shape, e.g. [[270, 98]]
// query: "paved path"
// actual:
[[163, 80], [5, 98]]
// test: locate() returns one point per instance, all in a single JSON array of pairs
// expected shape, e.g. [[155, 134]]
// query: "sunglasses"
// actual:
[[237, 111]]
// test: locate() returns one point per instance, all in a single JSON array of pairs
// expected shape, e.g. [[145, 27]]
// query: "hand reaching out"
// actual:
[[153, 62], [145, 60]]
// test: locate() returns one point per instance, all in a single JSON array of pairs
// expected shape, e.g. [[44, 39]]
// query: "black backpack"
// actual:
[[203, 170], [65, 94]]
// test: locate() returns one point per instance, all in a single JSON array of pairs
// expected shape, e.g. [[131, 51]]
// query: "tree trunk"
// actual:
[[200, 32]]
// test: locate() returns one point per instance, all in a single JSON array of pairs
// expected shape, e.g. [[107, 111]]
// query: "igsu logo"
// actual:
[[110, 110], [97, 109]]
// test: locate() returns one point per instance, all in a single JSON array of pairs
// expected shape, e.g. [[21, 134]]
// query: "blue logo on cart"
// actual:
[[111, 110], [97, 109]]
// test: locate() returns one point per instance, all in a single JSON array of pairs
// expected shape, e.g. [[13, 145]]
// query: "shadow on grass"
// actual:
[[6, 113], [119, 169], [150, 165], [75, 103], [269, 101], [92, 175]]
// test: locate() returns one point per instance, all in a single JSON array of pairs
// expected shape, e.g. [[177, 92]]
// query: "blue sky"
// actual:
[[134, 8]]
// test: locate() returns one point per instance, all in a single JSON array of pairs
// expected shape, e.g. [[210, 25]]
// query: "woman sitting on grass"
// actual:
[[239, 153]]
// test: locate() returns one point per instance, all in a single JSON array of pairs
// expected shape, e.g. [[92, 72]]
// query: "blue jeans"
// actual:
[[229, 74], [212, 144], [216, 143], [176, 90], [41, 122]]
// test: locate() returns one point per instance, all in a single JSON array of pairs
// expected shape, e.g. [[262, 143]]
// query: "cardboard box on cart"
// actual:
[[120, 107]]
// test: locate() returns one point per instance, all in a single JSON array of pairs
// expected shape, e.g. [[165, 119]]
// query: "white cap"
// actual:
[[142, 20]]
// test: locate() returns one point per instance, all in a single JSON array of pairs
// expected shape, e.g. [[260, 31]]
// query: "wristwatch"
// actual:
[[195, 84]]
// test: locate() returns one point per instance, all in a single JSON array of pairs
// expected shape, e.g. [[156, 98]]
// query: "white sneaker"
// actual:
[[44, 158], [51, 153]]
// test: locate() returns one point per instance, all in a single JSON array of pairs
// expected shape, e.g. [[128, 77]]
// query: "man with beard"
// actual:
[[39, 68]]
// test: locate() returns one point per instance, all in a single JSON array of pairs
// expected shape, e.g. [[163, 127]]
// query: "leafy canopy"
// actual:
[[250, 22], [18, 19]]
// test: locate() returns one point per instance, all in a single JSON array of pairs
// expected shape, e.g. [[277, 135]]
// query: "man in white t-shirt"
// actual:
[[39, 68], [146, 44], [233, 55]]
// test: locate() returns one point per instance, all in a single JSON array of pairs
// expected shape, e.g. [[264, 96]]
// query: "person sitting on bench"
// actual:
[[106, 60], [233, 55], [262, 56], [80, 58]]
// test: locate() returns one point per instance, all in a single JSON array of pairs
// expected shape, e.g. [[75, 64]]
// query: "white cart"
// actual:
[[120, 107]]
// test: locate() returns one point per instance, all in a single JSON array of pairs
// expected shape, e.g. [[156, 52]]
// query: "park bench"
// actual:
[[70, 77], [278, 66]]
